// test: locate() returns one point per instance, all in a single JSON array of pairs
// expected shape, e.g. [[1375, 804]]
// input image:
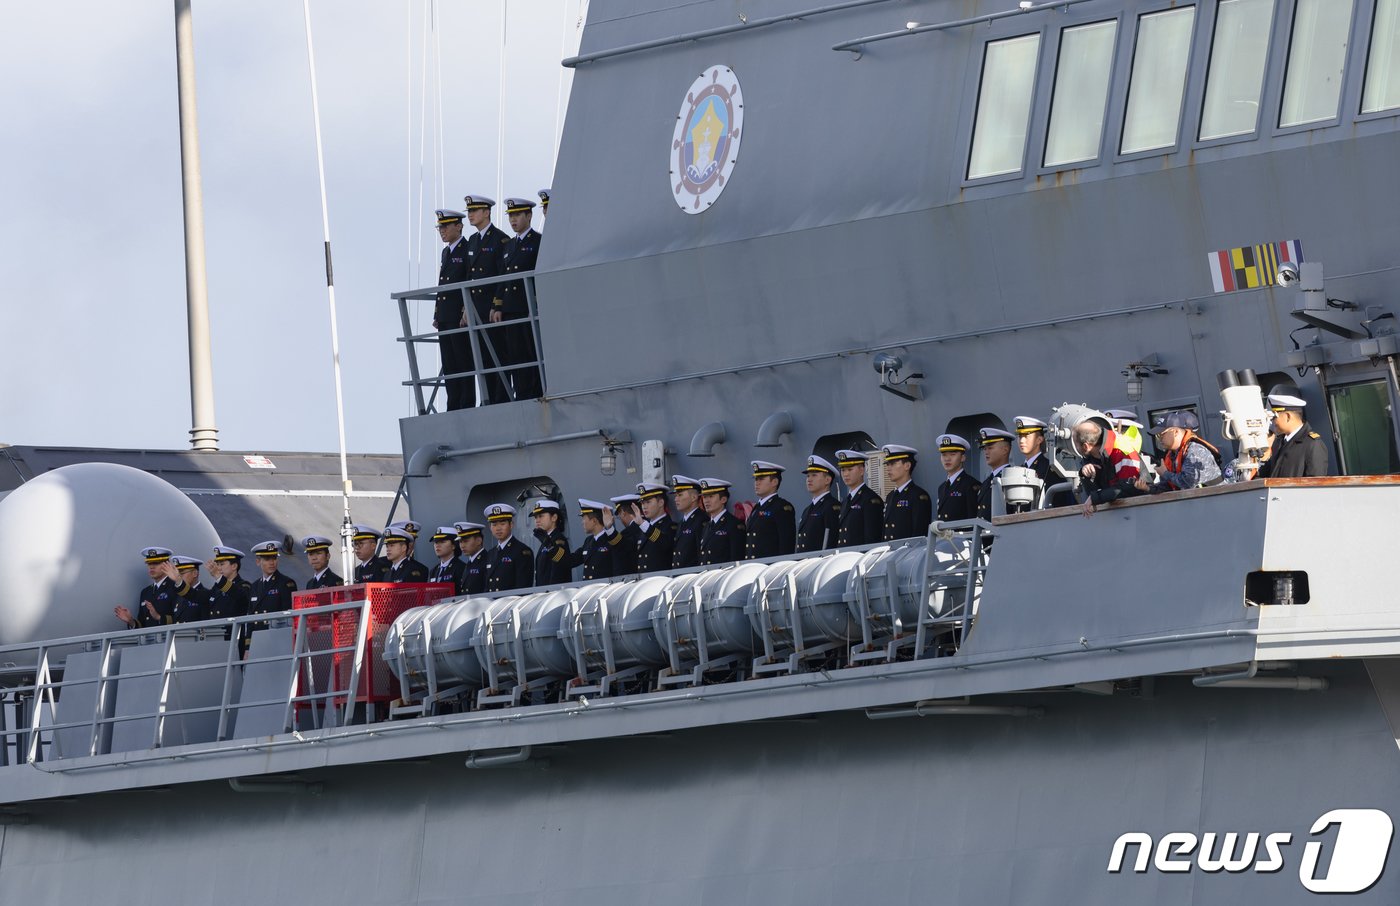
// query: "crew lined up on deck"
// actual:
[[503, 308], [636, 533]]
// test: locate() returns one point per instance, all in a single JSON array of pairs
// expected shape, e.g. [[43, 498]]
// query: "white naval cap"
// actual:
[[625, 498], [544, 199], [646, 489], [1283, 402], [714, 486], [397, 532], [364, 532], [222, 553], [952, 443], [479, 201], [156, 554], [446, 216], [315, 543], [1120, 414], [817, 463], [266, 549], [684, 483], [445, 533], [412, 526], [497, 512], [518, 205], [897, 452], [1027, 425], [467, 529], [763, 467], [544, 506], [588, 507], [846, 458], [186, 562], [989, 436]]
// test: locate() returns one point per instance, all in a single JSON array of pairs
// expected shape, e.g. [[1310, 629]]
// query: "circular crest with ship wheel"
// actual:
[[705, 145]]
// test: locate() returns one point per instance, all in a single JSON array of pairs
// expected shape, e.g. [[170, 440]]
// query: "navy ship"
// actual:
[[779, 230]]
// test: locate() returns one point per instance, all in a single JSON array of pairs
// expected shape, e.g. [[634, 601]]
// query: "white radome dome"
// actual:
[[70, 543]]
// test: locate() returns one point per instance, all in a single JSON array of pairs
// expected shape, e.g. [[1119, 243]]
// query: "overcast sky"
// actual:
[[93, 345]]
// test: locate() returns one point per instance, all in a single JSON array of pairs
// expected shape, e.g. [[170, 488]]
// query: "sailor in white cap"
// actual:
[[155, 605], [908, 507], [271, 592], [510, 564], [821, 519], [595, 554], [625, 540], [690, 521], [658, 542], [229, 594], [863, 514], [723, 539], [450, 311], [544, 201], [449, 567], [519, 255], [398, 548], [1030, 439], [957, 495], [772, 523], [485, 246], [996, 452], [369, 566], [472, 543], [1297, 450], [193, 596], [318, 557], [551, 561]]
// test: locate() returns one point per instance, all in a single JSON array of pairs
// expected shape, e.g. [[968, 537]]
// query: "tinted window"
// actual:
[[1158, 80], [1237, 57], [1383, 67], [1003, 107], [1317, 55], [1081, 91]]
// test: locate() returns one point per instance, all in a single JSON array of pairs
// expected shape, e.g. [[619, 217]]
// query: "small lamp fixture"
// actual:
[[1137, 372], [612, 441]]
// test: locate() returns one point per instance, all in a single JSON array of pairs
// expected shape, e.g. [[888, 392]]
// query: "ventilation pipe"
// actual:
[[770, 433], [707, 438]]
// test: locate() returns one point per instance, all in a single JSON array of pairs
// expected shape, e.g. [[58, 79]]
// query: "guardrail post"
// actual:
[[361, 635], [412, 357], [535, 329]]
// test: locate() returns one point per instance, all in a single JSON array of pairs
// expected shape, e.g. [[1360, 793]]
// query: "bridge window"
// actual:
[[1004, 107], [1383, 68], [1236, 78], [1158, 80], [1312, 87], [1081, 93]]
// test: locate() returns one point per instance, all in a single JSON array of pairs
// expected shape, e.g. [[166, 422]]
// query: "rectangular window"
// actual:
[[1158, 80], [1317, 54], [1383, 68], [1081, 92], [1004, 107], [1365, 428], [1236, 77]]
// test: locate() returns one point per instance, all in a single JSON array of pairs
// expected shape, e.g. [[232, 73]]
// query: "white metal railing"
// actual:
[[315, 690]]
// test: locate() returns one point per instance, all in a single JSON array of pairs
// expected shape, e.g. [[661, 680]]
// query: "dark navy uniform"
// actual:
[[270, 594], [1041, 467], [1305, 456], [456, 349], [820, 525], [658, 545], [451, 572], [595, 555], [771, 529], [327, 579], [862, 518], [228, 598], [193, 603], [408, 570], [908, 512], [473, 579], [958, 499], [509, 566], [688, 532], [519, 255], [373, 571], [723, 540], [484, 250], [624, 546], [164, 596], [984, 495], [552, 562]]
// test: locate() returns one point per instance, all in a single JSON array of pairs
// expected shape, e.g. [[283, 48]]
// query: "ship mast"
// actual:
[[204, 435]]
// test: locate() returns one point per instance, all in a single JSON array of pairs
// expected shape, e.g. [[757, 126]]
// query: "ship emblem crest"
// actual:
[[705, 145]]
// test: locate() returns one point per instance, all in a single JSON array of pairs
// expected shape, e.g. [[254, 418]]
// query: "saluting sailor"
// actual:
[[551, 562], [624, 542], [595, 554], [1297, 450], [510, 564], [449, 568], [1030, 439], [690, 522], [908, 507], [821, 519], [369, 566], [772, 523], [193, 596], [723, 538], [957, 495], [402, 567], [996, 451], [155, 604], [658, 541], [472, 544], [318, 557], [863, 513], [229, 596]]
